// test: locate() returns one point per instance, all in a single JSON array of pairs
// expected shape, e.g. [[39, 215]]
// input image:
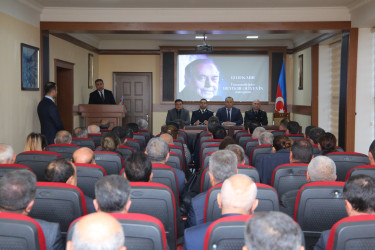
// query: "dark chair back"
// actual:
[[84, 142], [96, 137], [238, 134], [174, 161], [243, 139], [65, 150], [6, 168], [249, 171], [259, 150], [278, 132], [364, 169], [249, 145], [295, 136], [166, 175], [347, 160], [141, 138], [18, 231], [112, 162], [134, 144], [289, 176], [37, 161], [87, 176]]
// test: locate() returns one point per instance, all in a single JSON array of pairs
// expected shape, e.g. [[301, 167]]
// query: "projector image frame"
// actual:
[[204, 48]]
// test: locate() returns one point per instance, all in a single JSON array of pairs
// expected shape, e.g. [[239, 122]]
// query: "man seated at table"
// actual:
[[178, 112], [201, 115], [229, 115], [256, 115]]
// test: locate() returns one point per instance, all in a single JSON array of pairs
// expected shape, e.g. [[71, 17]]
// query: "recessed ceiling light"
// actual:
[[251, 37], [199, 37]]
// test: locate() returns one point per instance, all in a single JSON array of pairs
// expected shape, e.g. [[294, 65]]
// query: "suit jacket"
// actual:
[[96, 99], [49, 118], [52, 234], [236, 115], [172, 115], [90, 205], [194, 236], [288, 201], [267, 163], [322, 242], [196, 211], [197, 115], [260, 117]]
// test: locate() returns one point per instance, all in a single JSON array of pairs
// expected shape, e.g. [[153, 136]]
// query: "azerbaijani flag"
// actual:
[[121, 101], [280, 102]]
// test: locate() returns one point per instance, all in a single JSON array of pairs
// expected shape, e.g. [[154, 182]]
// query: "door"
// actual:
[[65, 85], [136, 88]]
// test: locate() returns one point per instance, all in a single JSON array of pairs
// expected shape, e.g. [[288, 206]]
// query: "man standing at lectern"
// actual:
[[101, 95]]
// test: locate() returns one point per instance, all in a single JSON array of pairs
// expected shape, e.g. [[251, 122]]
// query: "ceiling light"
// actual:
[[251, 37], [199, 37]]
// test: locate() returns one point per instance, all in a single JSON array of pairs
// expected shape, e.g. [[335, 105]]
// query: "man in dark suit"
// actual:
[[101, 95], [237, 197], [63, 171], [201, 115], [229, 115], [178, 113], [17, 194], [223, 164], [48, 113], [256, 115]]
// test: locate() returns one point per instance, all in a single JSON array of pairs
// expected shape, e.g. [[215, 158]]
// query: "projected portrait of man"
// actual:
[[201, 80]]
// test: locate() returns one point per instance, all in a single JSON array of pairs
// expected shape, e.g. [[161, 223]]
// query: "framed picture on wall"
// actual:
[[29, 67], [300, 72], [91, 71]]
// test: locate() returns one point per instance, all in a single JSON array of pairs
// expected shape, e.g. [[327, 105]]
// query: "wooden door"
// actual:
[[136, 88], [65, 94]]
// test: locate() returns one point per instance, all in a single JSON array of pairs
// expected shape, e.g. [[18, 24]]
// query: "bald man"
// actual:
[[84, 155], [237, 197], [97, 231], [167, 138]]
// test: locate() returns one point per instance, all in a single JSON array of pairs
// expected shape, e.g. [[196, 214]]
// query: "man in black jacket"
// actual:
[[256, 115], [101, 95], [201, 115]]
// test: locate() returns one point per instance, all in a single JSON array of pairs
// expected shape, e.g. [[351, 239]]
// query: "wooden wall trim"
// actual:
[[351, 91], [301, 110], [128, 52], [75, 41], [192, 26], [312, 42], [315, 85]]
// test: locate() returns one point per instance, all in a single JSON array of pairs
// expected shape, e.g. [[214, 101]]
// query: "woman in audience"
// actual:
[[226, 141], [110, 142], [327, 143], [267, 163], [34, 142], [173, 131]]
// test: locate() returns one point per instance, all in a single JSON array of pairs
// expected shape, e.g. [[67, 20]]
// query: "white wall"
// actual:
[[324, 88], [364, 128]]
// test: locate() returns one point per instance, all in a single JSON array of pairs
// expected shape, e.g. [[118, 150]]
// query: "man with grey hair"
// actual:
[[142, 124], [320, 168], [257, 132], [256, 115], [237, 197], [7, 155], [112, 194], [222, 165], [265, 138], [167, 138], [63, 137], [238, 150], [17, 194], [272, 230], [80, 132], [93, 129], [97, 231], [158, 152]]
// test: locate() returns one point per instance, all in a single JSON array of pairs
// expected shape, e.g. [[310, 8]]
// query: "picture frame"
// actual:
[[29, 67], [300, 72], [90, 71]]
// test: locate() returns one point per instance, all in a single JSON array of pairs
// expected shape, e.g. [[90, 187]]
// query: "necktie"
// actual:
[[101, 95], [229, 115]]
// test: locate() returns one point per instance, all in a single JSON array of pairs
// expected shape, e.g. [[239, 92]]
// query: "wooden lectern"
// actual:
[[93, 113]]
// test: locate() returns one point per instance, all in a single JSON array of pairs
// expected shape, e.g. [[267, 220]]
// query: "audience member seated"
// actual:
[[110, 142], [320, 168], [251, 126], [307, 131], [293, 128], [237, 197], [7, 155], [63, 137], [80, 132], [34, 142], [284, 124], [265, 138], [315, 134], [138, 168], [123, 133], [371, 153], [93, 129], [173, 131], [229, 115], [327, 143], [104, 124], [219, 132], [265, 164], [158, 152], [133, 126], [83, 155], [97, 231], [272, 230], [239, 152], [359, 195], [222, 165], [257, 132], [142, 124], [17, 194], [62, 170], [112, 194], [226, 141]]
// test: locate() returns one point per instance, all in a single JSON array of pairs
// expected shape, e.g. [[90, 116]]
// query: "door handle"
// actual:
[[147, 117]]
